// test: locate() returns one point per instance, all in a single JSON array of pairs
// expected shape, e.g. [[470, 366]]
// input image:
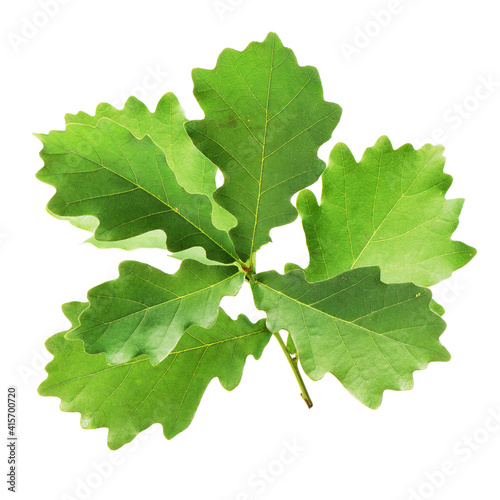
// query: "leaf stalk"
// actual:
[[293, 362]]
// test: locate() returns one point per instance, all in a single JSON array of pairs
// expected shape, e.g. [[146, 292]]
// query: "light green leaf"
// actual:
[[388, 210], [194, 171], [125, 182], [291, 266], [369, 334], [265, 119], [437, 308], [128, 398], [146, 311], [291, 346], [151, 239]]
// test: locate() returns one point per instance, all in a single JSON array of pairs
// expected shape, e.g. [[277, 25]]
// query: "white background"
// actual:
[[409, 80]]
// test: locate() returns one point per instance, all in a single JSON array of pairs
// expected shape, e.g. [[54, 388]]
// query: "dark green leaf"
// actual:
[[194, 171], [265, 119], [125, 182]]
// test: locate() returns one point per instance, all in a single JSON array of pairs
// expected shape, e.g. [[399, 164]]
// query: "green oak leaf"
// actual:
[[145, 311], [130, 397], [388, 210], [194, 171], [369, 334], [106, 172], [265, 119]]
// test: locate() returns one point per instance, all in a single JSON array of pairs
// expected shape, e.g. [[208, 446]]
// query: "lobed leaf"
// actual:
[[145, 311], [106, 172], [265, 118], [130, 397], [388, 210], [369, 334], [194, 171]]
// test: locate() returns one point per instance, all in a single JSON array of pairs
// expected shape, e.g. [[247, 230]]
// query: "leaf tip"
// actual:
[[307, 203], [384, 142], [273, 37]]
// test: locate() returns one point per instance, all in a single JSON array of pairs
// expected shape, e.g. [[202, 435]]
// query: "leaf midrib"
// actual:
[[263, 158], [393, 207], [350, 323], [146, 358], [146, 309]]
